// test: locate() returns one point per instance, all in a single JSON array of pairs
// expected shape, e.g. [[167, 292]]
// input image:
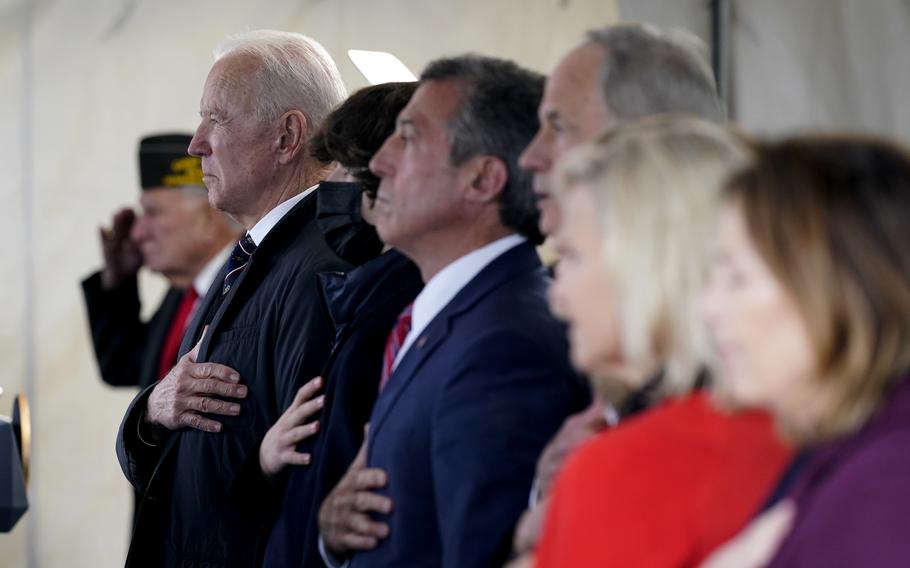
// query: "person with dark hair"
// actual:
[[349, 137], [475, 375], [363, 304], [809, 306]]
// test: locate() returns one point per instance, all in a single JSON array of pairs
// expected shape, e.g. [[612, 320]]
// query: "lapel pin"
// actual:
[[421, 342]]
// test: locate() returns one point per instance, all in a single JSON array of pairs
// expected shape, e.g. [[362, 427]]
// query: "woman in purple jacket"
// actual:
[[809, 308]]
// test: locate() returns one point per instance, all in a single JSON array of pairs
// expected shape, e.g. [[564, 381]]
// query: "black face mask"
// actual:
[[338, 215]]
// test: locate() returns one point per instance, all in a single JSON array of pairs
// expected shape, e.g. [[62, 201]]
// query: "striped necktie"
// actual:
[[238, 260]]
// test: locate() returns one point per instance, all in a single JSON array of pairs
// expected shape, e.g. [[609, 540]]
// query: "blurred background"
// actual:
[[82, 80]]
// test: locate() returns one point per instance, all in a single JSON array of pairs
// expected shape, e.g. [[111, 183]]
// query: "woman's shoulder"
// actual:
[[689, 432]]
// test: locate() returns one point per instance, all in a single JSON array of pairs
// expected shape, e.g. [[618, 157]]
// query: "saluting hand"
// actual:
[[344, 518], [122, 257], [279, 446], [188, 392]]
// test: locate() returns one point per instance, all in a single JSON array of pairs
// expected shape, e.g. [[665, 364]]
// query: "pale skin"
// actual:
[[250, 165], [345, 522], [279, 446], [572, 112], [582, 296], [765, 358], [184, 398], [756, 545], [175, 234], [122, 257]]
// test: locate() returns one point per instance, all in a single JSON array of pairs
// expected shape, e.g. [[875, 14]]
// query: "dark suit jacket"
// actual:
[[127, 348], [364, 305], [206, 503], [464, 417]]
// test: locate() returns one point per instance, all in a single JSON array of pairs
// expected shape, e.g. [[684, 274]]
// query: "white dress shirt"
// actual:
[[448, 282], [268, 222], [203, 281]]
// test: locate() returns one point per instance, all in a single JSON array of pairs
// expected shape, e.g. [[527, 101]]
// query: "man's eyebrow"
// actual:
[[206, 110]]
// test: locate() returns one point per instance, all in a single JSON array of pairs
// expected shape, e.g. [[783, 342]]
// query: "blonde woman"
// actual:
[[669, 485], [809, 304]]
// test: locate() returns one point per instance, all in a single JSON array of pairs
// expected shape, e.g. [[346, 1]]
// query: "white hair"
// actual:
[[296, 73]]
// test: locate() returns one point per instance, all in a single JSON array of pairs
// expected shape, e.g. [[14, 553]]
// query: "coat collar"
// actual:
[[349, 296]]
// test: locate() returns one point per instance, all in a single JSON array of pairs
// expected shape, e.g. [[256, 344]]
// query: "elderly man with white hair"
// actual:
[[192, 442]]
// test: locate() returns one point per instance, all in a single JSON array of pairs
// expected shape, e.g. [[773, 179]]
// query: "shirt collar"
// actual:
[[203, 281], [446, 284], [268, 222]]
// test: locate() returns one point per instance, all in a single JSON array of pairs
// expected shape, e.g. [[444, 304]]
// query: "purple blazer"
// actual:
[[853, 496]]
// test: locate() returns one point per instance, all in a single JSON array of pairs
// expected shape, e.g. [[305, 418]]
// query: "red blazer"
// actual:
[[663, 489]]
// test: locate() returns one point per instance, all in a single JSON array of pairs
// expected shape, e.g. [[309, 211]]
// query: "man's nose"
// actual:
[[139, 230], [533, 158], [198, 145]]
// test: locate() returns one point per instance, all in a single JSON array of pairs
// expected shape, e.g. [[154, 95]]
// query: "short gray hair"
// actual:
[[647, 71], [497, 117], [296, 73]]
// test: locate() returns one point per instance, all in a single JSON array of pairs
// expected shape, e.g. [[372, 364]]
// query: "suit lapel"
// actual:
[[515, 262], [408, 368]]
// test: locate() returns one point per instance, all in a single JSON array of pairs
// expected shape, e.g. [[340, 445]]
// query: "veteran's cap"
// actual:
[[164, 162]]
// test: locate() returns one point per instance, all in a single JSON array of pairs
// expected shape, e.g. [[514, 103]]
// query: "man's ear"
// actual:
[[488, 177], [293, 131]]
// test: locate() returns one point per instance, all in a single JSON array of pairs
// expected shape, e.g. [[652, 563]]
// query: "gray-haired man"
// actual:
[[191, 442]]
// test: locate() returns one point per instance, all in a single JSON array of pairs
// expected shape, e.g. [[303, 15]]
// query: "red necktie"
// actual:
[[175, 333], [393, 344]]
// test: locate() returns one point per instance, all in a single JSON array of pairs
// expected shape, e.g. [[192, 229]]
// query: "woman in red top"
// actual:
[[667, 486]]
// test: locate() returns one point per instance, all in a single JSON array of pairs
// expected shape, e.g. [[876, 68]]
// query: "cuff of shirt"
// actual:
[[330, 559]]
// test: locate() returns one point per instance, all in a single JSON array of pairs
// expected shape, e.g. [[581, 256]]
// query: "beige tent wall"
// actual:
[[80, 82], [822, 64], [807, 65]]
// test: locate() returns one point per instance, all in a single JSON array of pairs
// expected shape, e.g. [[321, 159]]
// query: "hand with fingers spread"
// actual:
[[189, 391], [345, 524], [279, 446], [122, 257]]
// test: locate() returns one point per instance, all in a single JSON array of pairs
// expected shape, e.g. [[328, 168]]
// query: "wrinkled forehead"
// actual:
[[231, 78], [433, 106]]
